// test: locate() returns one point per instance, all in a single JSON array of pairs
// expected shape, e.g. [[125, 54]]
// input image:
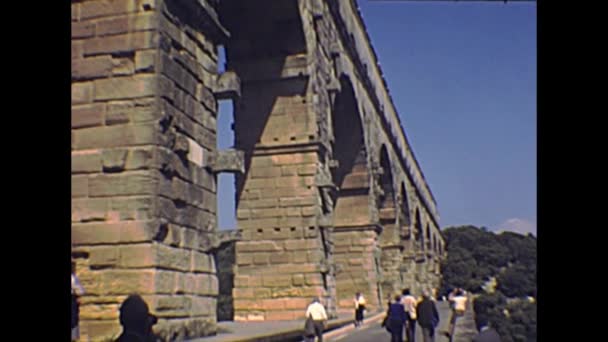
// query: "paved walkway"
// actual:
[[267, 330], [463, 332], [340, 329], [465, 329]]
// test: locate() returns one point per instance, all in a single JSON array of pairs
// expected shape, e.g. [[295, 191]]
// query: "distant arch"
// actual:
[[428, 236], [386, 199], [404, 207], [418, 234]]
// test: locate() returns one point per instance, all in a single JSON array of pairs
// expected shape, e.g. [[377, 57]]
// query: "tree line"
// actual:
[[500, 270]]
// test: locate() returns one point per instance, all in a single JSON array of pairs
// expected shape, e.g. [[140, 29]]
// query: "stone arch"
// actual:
[[418, 234], [386, 198], [428, 237], [350, 173], [351, 176], [404, 210]]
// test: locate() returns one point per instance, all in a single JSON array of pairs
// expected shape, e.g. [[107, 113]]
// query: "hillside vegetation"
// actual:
[[500, 269]]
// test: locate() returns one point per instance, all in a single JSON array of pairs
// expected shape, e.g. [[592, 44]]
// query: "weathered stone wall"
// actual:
[[283, 257], [143, 204], [331, 201], [225, 259], [355, 255]]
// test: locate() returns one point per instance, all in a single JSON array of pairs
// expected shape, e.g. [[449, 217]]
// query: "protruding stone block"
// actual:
[[228, 86], [230, 160]]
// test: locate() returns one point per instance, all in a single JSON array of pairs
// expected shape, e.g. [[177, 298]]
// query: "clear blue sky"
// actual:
[[463, 78]]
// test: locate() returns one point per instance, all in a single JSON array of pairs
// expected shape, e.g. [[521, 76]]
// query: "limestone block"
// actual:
[[124, 43], [129, 23], [276, 280], [138, 256], [123, 66], [87, 210], [114, 159], [114, 136], [93, 67], [100, 329], [177, 73], [127, 87], [261, 258], [82, 92], [103, 8], [228, 86], [104, 256], [145, 60], [260, 293], [258, 246], [133, 183], [230, 160], [80, 186], [115, 232], [86, 161]]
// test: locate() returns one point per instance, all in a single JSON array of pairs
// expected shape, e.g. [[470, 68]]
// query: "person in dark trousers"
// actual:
[[359, 309], [428, 317], [317, 312], [486, 332], [409, 303], [77, 291], [136, 321], [396, 320]]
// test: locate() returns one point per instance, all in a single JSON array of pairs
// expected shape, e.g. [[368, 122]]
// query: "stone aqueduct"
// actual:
[[330, 198]]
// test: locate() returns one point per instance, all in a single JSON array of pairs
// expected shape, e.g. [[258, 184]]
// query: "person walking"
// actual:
[[396, 320], [458, 302], [409, 303], [359, 309], [316, 311], [428, 317], [77, 291]]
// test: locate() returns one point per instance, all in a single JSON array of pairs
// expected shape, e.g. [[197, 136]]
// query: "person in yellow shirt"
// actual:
[[410, 303], [359, 309], [458, 301]]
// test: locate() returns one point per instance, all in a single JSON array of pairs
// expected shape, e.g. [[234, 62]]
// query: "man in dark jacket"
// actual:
[[486, 333], [136, 321], [396, 320], [428, 317]]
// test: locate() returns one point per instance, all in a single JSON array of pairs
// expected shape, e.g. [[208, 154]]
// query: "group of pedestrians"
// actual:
[[405, 311]]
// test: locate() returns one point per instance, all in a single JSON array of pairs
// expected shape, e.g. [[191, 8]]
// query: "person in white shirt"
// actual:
[[316, 311], [359, 309], [458, 300], [409, 302]]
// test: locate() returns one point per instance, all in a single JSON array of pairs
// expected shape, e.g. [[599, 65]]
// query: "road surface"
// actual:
[[375, 333]]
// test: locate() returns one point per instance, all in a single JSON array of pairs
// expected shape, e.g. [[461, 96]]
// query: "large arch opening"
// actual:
[[351, 175], [386, 198], [392, 248], [428, 237], [404, 213], [351, 214], [275, 196], [418, 234]]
